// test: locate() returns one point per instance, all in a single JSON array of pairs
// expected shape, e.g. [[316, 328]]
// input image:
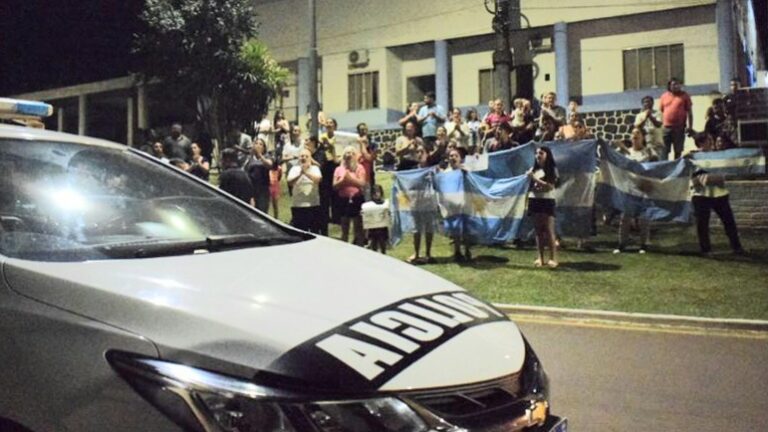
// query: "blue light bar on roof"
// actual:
[[24, 108]]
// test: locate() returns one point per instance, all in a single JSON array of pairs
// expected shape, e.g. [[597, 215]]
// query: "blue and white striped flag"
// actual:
[[576, 165], [657, 191], [414, 202], [481, 209], [575, 195], [739, 161], [510, 163]]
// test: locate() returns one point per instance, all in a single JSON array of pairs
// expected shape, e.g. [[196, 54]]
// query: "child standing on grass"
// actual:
[[275, 174], [378, 237]]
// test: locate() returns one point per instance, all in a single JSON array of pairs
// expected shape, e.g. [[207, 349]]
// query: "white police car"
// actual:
[[135, 297]]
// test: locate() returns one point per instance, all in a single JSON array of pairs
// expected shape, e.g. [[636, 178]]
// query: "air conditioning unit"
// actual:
[[358, 59], [540, 44]]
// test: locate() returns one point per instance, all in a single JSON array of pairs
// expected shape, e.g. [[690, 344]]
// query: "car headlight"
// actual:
[[201, 400], [534, 381]]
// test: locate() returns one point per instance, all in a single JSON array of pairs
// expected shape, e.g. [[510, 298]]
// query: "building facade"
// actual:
[[377, 56]]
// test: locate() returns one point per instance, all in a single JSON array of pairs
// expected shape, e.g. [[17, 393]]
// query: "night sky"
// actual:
[[51, 43]]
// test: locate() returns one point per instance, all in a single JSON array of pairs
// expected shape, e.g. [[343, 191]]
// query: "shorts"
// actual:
[[424, 222], [378, 234], [541, 205], [350, 207]]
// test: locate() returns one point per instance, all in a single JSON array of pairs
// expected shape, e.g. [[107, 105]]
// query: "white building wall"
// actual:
[[602, 57], [546, 65], [346, 25], [466, 77]]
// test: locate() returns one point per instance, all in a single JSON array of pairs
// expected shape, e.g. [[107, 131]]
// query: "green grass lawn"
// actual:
[[670, 279]]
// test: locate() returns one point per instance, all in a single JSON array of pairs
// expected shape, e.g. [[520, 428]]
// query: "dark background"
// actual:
[[52, 43]]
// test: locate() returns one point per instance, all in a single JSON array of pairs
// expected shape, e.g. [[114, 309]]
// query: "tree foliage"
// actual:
[[206, 50]]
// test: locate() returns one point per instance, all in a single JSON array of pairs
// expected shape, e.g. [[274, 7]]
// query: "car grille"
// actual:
[[487, 406]]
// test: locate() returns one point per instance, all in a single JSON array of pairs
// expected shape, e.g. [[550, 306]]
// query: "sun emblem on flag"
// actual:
[[645, 186], [402, 200], [478, 204]]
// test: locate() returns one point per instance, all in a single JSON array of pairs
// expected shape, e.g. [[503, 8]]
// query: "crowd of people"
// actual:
[[329, 188], [324, 187]]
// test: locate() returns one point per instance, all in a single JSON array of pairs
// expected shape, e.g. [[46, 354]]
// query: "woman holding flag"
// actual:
[[541, 205], [455, 163]]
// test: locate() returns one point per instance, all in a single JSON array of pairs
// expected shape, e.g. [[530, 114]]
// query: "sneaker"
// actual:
[[537, 263], [617, 251], [643, 249], [552, 264]]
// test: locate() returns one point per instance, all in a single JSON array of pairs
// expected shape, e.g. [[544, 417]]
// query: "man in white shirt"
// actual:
[[651, 125], [457, 129], [305, 178], [265, 131], [291, 151]]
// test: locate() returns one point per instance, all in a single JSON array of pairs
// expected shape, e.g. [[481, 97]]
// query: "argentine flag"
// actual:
[[737, 162], [575, 194], [510, 163], [414, 199], [481, 209], [657, 191]]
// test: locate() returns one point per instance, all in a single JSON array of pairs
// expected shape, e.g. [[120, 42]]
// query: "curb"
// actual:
[[635, 318]]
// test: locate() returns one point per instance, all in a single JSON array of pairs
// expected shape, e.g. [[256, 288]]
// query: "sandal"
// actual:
[[413, 259]]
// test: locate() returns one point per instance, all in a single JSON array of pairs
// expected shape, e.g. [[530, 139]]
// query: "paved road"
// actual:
[[611, 378]]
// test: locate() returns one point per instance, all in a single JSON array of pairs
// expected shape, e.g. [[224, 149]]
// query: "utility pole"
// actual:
[[313, 103], [503, 12]]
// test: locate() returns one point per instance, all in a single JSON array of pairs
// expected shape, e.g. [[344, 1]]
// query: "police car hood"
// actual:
[[322, 312]]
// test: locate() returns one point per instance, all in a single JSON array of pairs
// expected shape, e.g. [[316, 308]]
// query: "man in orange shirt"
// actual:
[[676, 110]]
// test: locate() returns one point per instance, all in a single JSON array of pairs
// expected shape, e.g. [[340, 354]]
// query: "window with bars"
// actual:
[[653, 66], [363, 91], [487, 90]]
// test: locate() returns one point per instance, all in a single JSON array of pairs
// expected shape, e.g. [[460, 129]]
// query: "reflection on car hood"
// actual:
[[358, 318]]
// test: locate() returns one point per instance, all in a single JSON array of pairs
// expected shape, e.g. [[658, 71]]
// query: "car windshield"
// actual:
[[70, 202]]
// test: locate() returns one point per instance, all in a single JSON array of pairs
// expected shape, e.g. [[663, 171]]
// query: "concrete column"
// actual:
[[130, 121], [60, 119], [302, 87], [141, 106], [82, 113], [442, 74], [561, 63], [726, 43]]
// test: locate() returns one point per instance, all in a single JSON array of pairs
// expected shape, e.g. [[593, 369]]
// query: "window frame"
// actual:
[[493, 96], [635, 79], [360, 99]]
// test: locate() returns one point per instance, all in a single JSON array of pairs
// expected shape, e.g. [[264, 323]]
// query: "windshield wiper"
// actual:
[[213, 243]]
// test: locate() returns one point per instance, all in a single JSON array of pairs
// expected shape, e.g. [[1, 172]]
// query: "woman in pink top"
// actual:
[[495, 118], [349, 183]]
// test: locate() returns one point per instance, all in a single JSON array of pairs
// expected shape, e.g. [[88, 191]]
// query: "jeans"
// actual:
[[674, 138]]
